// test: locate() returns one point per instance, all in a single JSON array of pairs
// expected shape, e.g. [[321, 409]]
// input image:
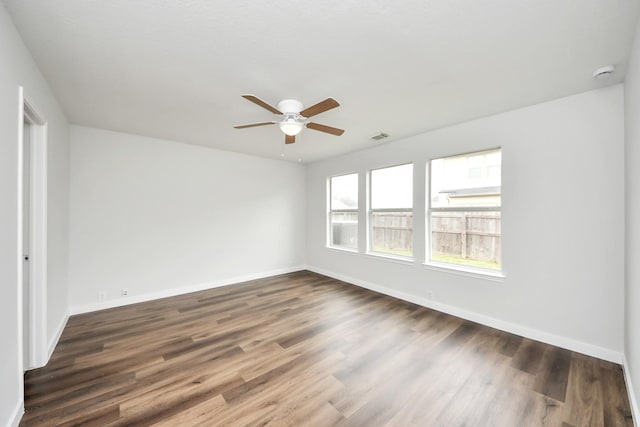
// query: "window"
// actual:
[[464, 210], [343, 211], [391, 214]]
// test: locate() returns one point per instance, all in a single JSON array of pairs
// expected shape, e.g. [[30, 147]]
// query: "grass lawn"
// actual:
[[463, 261], [441, 258]]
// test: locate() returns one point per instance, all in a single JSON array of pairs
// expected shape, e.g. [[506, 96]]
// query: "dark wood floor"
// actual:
[[306, 350]]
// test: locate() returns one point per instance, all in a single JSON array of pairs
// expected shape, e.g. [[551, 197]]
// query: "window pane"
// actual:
[[471, 180], [462, 234], [344, 192], [392, 188], [467, 238], [392, 233], [344, 229], [343, 226]]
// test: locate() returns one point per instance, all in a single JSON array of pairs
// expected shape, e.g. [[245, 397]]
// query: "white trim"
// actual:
[[391, 210], [19, 410], [39, 245], [16, 415], [87, 308], [343, 250], [390, 257], [514, 328], [462, 271], [633, 402], [56, 336]]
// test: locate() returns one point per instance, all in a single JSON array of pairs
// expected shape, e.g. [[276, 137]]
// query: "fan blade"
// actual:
[[289, 139], [325, 128], [253, 125], [320, 107], [261, 103]]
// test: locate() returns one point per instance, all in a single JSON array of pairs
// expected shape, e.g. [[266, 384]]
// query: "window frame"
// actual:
[[371, 210], [331, 211], [450, 266]]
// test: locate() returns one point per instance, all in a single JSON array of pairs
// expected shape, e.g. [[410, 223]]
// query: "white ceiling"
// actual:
[[177, 69]]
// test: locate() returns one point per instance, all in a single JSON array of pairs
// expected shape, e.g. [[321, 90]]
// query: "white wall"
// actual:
[[632, 183], [158, 216], [563, 222], [18, 69]]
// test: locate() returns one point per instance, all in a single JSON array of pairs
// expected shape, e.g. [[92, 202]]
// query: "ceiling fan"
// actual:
[[294, 118]]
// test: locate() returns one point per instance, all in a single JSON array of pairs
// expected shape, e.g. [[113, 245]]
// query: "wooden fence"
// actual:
[[467, 235], [344, 230], [470, 235], [392, 231]]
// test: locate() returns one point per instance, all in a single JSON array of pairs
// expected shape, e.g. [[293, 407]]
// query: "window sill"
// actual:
[[345, 250], [496, 276], [392, 258]]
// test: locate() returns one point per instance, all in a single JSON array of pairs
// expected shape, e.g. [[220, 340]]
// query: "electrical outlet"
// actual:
[[102, 296], [125, 291]]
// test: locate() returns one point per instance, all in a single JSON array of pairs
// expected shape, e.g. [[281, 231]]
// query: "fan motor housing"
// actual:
[[290, 106]]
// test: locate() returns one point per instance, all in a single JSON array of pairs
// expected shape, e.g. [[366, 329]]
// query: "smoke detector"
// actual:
[[603, 72]]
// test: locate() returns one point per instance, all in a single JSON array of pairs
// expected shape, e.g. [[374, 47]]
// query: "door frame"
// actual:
[[38, 351]]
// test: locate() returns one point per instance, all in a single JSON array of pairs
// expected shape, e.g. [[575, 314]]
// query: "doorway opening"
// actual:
[[32, 244]]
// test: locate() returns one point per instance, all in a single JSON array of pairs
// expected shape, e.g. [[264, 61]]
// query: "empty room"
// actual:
[[338, 213]]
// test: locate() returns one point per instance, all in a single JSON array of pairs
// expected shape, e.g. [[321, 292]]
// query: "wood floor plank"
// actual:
[[615, 401], [585, 388], [509, 344], [203, 414], [304, 349], [528, 356], [554, 373]]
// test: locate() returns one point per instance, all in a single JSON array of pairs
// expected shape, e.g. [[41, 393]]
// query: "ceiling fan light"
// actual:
[[290, 127]]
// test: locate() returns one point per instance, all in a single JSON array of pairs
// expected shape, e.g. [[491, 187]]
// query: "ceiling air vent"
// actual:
[[379, 136]]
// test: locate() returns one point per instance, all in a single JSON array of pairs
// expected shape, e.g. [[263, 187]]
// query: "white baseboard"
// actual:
[[56, 337], [134, 299], [633, 402], [514, 328], [16, 415]]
